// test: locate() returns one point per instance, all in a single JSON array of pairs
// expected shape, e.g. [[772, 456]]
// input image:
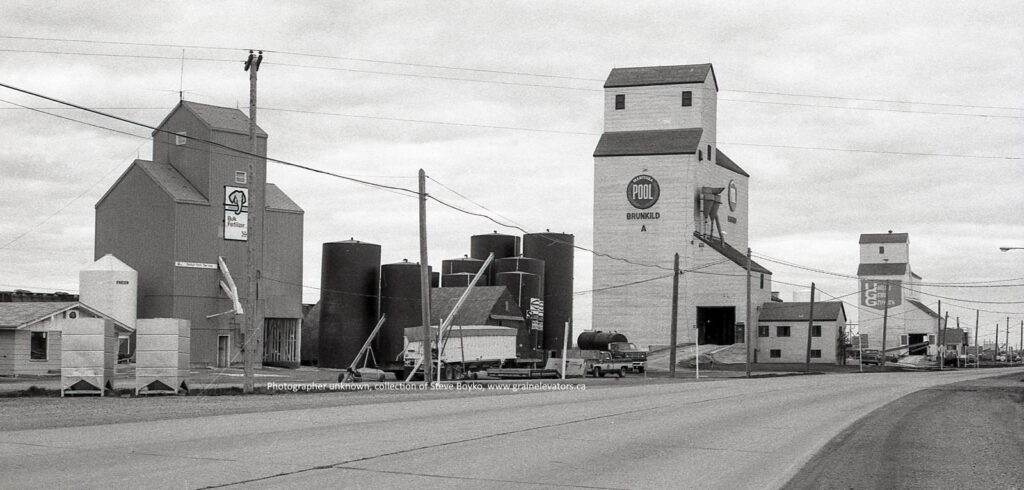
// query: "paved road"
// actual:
[[965, 435], [719, 434]]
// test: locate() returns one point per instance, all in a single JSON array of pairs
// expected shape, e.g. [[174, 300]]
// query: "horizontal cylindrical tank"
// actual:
[[350, 276], [557, 251], [499, 244], [527, 291], [401, 305], [598, 340]]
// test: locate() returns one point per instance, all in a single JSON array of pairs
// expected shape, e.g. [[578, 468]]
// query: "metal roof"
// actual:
[[277, 200], [653, 142], [726, 250], [216, 117], [20, 314], [884, 238], [923, 308], [659, 75], [476, 310], [172, 182], [882, 269], [725, 162], [785, 312]]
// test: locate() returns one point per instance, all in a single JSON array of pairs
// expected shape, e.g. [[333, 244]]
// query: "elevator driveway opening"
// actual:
[[716, 325], [917, 338]]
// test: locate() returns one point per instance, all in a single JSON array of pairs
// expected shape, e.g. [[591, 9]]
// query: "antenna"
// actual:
[[181, 78]]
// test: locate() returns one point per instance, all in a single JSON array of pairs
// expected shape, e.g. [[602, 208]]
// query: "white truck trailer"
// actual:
[[465, 350]]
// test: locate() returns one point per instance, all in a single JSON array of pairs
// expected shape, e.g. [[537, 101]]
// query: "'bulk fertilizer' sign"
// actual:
[[236, 213], [872, 293]]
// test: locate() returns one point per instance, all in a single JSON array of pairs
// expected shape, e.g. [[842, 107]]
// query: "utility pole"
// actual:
[[945, 326], [750, 322], [885, 321], [810, 327], [428, 361], [675, 319], [996, 353], [254, 234], [977, 351], [938, 337], [1021, 350]]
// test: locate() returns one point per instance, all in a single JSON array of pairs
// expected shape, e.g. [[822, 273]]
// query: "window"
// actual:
[[741, 333], [904, 340], [38, 346], [620, 102], [762, 281], [700, 155], [710, 155], [782, 331], [775, 353], [815, 354], [931, 339], [687, 98], [241, 177], [881, 250], [763, 330], [180, 139], [815, 330]]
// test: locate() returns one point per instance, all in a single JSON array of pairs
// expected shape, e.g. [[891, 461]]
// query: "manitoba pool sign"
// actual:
[[643, 191]]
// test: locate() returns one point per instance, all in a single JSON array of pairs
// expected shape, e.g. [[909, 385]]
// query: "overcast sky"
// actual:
[[394, 116]]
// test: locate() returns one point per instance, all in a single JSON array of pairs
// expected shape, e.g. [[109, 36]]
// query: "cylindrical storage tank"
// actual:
[[350, 276], [499, 244], [527, 291], [520, 264], [401, 305], [557, 252], [465, 265], [458, 280], [110, 286], [598, 340]]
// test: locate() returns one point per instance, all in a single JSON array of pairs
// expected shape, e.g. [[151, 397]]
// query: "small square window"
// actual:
[[180, 139], [37, 350], [815, 354], [815, 330], [687, 98], [620, 102], [881, 250], [782, 331], [775, 353], [763, 331], [241, 177]]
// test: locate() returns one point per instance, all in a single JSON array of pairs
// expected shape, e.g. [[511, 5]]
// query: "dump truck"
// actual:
[[466, 350]]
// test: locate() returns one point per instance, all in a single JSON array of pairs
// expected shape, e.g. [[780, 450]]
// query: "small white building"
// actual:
[[782, 332], [30, 335]]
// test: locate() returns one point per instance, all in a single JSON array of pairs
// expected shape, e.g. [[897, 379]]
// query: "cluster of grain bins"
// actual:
[[356, 290]]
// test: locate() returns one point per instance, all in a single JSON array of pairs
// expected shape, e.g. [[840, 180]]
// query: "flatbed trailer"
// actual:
[[522, 373]]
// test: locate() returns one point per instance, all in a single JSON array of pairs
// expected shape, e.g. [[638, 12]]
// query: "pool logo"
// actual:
[[643, 191]]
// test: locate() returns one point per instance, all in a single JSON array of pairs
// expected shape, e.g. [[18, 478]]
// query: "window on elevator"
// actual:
[[620, 102], [687, 98], [775, 353]]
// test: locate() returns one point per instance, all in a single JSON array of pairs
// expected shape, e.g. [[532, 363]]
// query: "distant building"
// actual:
[[661, 187], [22, 295], [30, 334], [886, 278], [170, 219], [782, 332]]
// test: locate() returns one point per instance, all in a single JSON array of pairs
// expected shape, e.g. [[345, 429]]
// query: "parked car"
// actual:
[[871, 356], [968, 360]]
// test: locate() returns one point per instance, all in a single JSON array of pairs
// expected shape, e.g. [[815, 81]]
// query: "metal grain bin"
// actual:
[[499, 244], [350, 276], [402, 305], [557, 252], [459, 280], [528, 292]]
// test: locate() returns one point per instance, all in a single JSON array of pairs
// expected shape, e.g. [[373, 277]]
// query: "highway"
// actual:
[[718, 434]]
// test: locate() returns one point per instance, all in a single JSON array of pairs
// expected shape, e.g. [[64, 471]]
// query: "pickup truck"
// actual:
[[605, 364]]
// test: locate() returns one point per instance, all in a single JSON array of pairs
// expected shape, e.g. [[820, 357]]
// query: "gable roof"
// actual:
[[725, 162], [660, 75], [277, 200], [884, 238], [881, 269], [652, 142], [923, 308], [172, 182], [737, 257], [784, 312], [476, 310], [217, 118], [22, 314]]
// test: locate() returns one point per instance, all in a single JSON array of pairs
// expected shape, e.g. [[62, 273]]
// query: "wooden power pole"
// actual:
[[673, 336], [938, 337], [810, 328], [428, 362], [254, 235], [747, 338]]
